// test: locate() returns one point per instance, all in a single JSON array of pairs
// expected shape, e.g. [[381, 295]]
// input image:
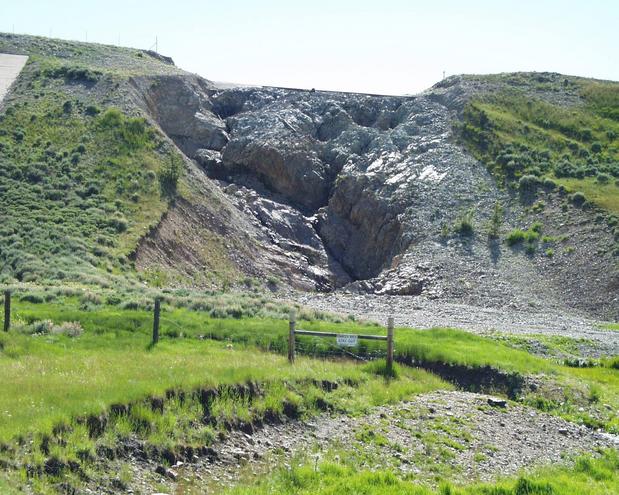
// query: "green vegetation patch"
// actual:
[[610, 326], [78, 187], [593, 476], [63, 360], [81, 182], [525, 140]]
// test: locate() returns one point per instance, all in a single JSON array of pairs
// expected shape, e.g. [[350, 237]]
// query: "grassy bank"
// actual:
[[531, 140], [587, 395]]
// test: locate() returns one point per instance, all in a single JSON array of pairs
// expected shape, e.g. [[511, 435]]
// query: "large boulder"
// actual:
[[182, 107]]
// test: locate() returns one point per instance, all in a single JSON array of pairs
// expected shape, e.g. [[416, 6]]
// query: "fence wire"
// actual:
[[329, 349]]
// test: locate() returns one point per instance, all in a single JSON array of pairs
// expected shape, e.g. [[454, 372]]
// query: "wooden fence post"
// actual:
[[291, 339], [7, 310], [156, 320], [390, 344]]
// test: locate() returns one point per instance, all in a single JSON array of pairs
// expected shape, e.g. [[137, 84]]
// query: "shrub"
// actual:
[[549, 184], [578, 198], [73, 73], [40, 327], [531, 236], [528, 183], [495, 221], [113, 300], [565, 169], [537, 227], [515, 236], [596, 147], [586, 134], [602, 178], [111, 118], [168, 176], [69, 328], [118, 222], [32, 298], [134, 132], [464, 224], [92, 110]]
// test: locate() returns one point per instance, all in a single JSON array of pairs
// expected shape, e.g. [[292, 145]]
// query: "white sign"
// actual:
[[347, 340]]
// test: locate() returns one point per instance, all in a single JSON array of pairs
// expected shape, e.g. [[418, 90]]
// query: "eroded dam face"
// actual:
[[343, 183], [328, 190]]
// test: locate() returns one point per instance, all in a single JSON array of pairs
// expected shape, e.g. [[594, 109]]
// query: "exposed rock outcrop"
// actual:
[[181, 106]]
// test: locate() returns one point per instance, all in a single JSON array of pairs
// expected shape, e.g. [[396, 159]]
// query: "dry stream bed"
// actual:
[[446, 434]]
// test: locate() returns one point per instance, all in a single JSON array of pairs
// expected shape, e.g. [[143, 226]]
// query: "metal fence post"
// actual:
[[390, 345], [291, 339], [7, 310], [156, 320]]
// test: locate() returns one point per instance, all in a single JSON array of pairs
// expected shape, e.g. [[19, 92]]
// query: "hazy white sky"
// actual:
[[382, 46]]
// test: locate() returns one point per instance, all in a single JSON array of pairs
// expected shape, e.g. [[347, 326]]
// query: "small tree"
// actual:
[[495, 221]]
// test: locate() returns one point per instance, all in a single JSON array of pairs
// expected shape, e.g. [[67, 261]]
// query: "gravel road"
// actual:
[[10, 67]]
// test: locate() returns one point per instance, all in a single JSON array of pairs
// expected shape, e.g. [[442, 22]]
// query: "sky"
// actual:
[[380, 46]]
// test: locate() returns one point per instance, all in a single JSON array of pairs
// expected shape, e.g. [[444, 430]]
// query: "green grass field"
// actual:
[[444, 345], [129, 331], [53, 379]]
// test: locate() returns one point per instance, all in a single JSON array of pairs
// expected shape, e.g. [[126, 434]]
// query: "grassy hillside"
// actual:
[[82, 175], [562, 129]]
